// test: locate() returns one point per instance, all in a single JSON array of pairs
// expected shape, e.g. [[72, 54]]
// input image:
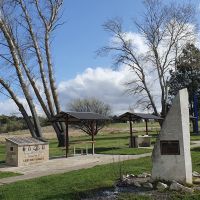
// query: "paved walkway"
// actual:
[[61, 165], [195, 143]]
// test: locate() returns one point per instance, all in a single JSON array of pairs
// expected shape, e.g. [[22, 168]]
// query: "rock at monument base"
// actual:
[[148, 185], [195, 174], [196, 188], [178, 187], [161, 186], [171, 155], [143, 175], [196, 181], [130, 175], [137, 184]]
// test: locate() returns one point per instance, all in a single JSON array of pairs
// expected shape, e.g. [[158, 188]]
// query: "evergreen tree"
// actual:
[[187, 75]]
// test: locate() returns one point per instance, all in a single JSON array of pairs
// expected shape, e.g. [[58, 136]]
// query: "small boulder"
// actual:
[[127, 175], [130, 181], [196, 181], [178, 187], [136, 184], [151, 180], [196, 188], [195, 174], [161, 186], [131, 176], [124, 177], [143, 175], [148, 185], [146, 174]]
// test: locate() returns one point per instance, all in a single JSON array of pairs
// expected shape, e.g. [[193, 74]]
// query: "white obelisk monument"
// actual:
[[171, 155]]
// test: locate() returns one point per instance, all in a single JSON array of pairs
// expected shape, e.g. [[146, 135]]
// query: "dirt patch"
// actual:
[[48, 133]]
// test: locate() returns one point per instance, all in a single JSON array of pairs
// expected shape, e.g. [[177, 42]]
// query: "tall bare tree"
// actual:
[[90, 105], [27, 28], [165, 30]]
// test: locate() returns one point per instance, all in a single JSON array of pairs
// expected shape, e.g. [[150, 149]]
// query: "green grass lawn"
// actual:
[[8, 174], [195, 137], [77, 184], [105, 144], [72, 185]]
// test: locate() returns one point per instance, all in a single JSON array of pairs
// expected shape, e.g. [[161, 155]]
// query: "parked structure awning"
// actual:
[[135, 116], [76, 117], [128, 116]]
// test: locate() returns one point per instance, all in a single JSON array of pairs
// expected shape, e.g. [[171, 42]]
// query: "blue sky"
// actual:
[[79, 72], [82, 34], [76, 41]]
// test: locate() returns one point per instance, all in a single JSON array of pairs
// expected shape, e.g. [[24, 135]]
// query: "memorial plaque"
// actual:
[[170, 147]]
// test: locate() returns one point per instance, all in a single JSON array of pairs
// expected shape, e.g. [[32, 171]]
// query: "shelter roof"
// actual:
[[78, 116], [25, 141], [134, 116]]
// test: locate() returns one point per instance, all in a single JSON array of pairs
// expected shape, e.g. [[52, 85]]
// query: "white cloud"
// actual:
[[8, 107], [103, 83], [136, 39]]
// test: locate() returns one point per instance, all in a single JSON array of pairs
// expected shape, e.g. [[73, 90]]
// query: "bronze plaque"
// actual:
[[169, 147]]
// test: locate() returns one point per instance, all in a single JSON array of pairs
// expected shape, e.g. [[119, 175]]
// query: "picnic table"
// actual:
[[83, 145]]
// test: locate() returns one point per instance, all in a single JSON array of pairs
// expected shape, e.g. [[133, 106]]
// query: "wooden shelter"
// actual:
[[128, 116], [78, 118]]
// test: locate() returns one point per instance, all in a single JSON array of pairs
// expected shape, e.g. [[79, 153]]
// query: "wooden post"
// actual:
[[86, 149], [94, 129], [93, 148], [146, 127], [67, 136], [92, 143], [131, 133], [74, 150]]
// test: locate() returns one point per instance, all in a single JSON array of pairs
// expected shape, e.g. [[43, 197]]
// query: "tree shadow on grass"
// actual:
[[100, 138], [196, 149], [102, 150]]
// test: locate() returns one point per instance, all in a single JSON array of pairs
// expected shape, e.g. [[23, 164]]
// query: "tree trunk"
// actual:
[[59, 133], [38, 56], [51, 78], [20, 106], [11, 44], [151, 99]]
